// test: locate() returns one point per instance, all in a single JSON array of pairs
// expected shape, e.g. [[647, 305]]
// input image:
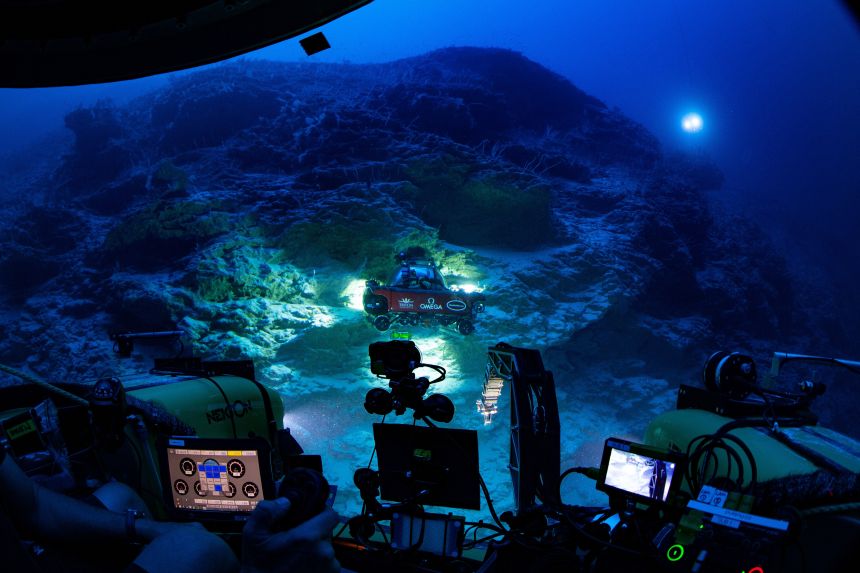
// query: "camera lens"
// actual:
[[438, 407], [378, 401]]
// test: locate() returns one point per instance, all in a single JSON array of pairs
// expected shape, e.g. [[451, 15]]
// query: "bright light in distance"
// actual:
[[354, 292], [466, 288], [692, 123]]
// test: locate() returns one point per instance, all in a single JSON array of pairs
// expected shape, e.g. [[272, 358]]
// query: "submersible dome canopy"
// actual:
[[46, 43]]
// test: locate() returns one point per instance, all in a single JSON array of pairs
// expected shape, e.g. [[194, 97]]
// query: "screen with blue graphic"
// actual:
[[215, 480]]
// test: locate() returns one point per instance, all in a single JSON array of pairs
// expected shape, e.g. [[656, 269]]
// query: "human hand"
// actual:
[[306, 547]]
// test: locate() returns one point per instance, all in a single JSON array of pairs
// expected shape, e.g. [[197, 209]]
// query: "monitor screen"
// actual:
[[210, 475], [639, 471], [433, 466]]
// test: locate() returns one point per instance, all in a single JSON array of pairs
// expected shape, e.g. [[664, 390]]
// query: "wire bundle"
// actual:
[[703, 461]]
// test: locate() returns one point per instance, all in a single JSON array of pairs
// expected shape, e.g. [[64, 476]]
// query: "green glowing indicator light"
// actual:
[[675, 553]]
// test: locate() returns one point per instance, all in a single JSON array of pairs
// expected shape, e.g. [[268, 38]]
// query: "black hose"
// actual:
[[484, 488]]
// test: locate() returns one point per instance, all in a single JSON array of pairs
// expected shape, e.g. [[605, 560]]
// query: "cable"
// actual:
[[442, 372], [364, 507], [417, 545], [380, 529], [481, 540], [770, 407], [601, 542], [707, 445], [481, 525], [490, 502], [140, 487], [373, 453], [484, 488], [592, 473], [46, 385], [474, 527], [342, 529], [710, 442], [139, 457]]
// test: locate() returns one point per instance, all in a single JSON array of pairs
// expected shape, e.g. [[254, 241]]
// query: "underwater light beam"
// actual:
[[354, 293], [467, 288], [692, 123]]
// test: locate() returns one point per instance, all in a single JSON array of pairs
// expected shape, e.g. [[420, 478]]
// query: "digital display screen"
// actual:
[[439, 464], [639, 471], [640, 475], [215, 480]]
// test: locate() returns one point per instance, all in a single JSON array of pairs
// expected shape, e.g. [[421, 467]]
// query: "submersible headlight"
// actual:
[[692, 123]]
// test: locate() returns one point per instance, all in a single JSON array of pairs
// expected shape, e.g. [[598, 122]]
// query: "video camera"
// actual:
[[396, 361], [417, 465]]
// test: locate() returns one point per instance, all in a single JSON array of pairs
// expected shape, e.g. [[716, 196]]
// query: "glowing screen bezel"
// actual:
[[615, 447], [248, 451]]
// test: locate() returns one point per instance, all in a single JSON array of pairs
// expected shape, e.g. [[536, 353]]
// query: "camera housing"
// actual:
[[393, 359], [396, 360]]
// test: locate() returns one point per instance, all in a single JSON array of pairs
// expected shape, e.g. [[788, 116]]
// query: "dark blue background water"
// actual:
[[777, 82]]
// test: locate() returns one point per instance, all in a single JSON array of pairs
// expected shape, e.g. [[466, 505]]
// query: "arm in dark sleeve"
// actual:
[[38, 512]]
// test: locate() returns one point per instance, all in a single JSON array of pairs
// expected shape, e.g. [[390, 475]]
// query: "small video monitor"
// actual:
[[213, 478], [431, 466], [642, 473]]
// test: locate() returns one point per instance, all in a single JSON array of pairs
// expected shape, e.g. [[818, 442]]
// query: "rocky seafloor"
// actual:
[[244, 203]]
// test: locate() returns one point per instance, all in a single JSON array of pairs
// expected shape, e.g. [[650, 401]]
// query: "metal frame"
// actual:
[[535, 448]]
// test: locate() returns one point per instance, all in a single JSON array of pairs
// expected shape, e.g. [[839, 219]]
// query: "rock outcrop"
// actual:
[[241, 202]]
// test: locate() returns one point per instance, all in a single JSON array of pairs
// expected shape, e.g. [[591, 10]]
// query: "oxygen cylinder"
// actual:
[[215, 406], [676, 429]]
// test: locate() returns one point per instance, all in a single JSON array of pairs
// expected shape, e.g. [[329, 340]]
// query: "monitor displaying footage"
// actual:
[[432, 466], [214, 475], [640, 472]]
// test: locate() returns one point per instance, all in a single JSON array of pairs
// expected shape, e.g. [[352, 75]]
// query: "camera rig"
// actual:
[[396, 361], [738, 478]]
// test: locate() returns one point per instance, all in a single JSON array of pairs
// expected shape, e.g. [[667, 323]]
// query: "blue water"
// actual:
[[776, 81]]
